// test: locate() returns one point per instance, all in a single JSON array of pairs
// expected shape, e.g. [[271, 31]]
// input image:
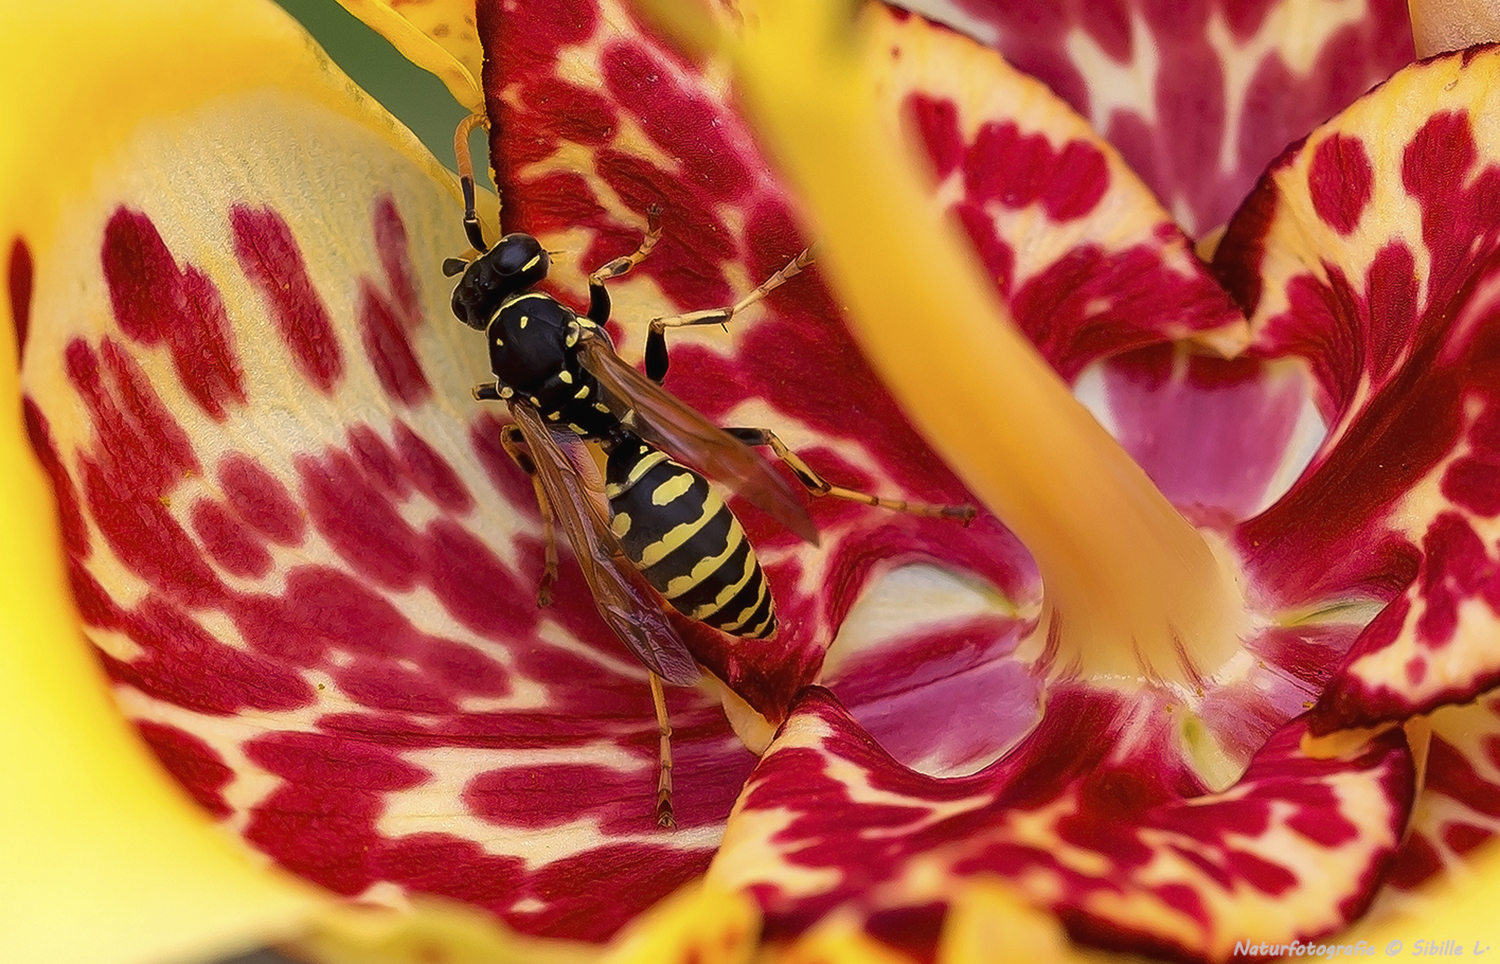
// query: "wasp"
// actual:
[[656, 531]]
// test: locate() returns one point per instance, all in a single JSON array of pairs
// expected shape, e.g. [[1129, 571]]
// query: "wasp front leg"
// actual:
[[816, 485], [598, 294], [514, 444], [656, 339]]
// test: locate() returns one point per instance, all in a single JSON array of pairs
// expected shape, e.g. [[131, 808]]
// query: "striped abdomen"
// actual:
[[686, 542]]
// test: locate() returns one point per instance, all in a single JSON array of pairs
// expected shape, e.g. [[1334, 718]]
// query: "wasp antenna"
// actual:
[[466, 178]]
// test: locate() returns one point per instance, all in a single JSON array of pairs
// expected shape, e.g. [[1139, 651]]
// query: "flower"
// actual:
[[309, 569]]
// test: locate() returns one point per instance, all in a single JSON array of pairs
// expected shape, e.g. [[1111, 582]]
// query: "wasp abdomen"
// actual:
[[677, 530]]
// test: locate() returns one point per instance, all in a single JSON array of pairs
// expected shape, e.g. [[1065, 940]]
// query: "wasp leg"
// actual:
[[598, 295], [656, 340], [817, 485], [514, 444], [664, 816]]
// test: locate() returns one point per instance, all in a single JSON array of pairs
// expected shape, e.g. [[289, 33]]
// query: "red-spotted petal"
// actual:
[[594, 121], [1198, 96], [1369, 253], [294, 538], [1458, 809], [1095, 815]]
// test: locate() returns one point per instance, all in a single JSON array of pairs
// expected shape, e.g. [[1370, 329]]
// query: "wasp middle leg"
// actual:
[[816, 485], [656, 340]]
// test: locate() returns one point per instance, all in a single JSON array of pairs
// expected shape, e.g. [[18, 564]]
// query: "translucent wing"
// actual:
[[659, 418], [626, 601]]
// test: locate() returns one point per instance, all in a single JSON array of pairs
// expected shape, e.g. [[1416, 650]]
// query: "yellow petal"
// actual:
[[699, 924], [434, 931], [1462, 909], [990, 923], [437, 36], [838, 940], [102, 859]]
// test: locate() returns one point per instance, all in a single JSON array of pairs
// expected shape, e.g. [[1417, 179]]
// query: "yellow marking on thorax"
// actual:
[[678, 534], [707, 567], [620, 524]]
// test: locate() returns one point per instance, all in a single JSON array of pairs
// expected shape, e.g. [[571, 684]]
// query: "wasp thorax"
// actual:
[[513, 265]]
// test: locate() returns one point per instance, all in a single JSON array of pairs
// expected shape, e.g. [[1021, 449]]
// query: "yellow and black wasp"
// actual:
[[658, 531]]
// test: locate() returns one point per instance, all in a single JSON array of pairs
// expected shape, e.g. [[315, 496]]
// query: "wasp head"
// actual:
[[516, 263]]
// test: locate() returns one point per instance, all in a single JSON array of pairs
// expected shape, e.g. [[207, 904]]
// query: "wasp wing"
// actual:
[[669, 424], [626, 601]]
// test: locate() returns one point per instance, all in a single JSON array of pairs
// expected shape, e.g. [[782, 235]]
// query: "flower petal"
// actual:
[[1199, 96], [1088, 261], [1458, 811], [1221, 438], [1370, 253], [439, 37], [1107, 831], [295, 540], [593, 122], [89, 828]]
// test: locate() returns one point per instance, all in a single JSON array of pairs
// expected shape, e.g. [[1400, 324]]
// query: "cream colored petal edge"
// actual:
[[102, 858], [438, 37], [1438, 26]]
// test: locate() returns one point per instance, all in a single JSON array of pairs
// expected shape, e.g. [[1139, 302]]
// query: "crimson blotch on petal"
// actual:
[[1200, 96]]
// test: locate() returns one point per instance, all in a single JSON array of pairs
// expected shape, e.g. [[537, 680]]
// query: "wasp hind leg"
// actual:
[[816, 485], [664, 815], [656, 339], [598, 294], [514, 444]]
